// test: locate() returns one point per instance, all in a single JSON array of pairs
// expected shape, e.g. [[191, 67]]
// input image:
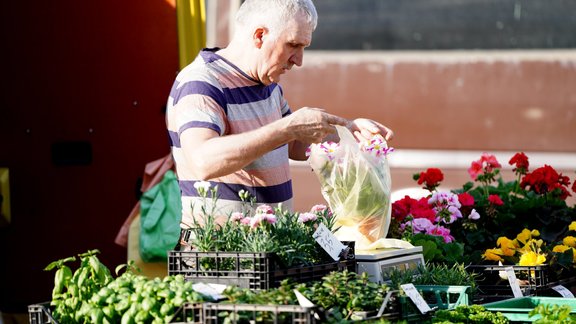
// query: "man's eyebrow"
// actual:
[[293, 42]]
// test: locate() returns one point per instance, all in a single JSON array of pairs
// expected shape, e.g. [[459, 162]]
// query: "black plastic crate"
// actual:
[[40, 314], [533, 281], [257, 271], [189, 313], [246, 313]]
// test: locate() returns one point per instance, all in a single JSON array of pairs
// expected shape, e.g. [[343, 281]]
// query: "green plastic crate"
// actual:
[[437, 297], [517, 309]]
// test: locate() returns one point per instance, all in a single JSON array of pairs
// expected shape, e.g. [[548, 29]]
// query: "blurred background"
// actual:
[[85, 85]]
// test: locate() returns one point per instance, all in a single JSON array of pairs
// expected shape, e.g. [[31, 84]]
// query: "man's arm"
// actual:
[[211, 156], [362, 128]]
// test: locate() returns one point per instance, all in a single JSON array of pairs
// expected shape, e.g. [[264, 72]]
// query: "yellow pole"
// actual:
[[191, 19]]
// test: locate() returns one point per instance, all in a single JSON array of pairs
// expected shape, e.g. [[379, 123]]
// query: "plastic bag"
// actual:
[[160, 214], [355, 181]]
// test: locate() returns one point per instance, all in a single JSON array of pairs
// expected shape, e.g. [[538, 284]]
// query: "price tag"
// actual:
[[516, 291], [565, 292], [416, 298], [210, 289], [328, 241]]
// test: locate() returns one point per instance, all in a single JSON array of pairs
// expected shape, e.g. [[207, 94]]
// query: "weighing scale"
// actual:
[[378, 263]]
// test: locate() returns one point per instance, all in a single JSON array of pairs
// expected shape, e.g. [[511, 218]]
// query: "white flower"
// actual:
[[474, 215], [202, 187]]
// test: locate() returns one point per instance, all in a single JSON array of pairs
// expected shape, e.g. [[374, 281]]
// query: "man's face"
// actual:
[[287, 50]]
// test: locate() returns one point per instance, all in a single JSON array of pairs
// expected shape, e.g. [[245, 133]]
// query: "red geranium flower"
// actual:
[[466, 199], [495, 200], [521, 161], [544, 180], [409, 206], [431, 178], [421, 209]]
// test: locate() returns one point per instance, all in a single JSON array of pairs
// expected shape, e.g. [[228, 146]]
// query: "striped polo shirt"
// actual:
[[213, 93]]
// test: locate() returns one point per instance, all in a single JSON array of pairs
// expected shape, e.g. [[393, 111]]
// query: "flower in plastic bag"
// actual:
[[355, 182]]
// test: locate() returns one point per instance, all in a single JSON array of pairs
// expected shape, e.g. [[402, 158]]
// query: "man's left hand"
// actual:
[[364, 129]]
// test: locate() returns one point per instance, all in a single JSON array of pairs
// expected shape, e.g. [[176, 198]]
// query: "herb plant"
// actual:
[[91, 295], [553, 314], [473, 314]]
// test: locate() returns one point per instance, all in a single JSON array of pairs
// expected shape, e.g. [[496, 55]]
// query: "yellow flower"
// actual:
[[493, 255], [538, 243], [560, 248], [535, 233], [507, 246], [572, 226], [532, 259], [524, 236], [570, 241]]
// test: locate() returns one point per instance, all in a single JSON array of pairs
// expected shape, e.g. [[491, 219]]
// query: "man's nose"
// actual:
[[297, 58]]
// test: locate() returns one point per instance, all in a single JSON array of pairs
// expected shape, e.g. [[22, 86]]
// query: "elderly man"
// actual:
[[227, 117]]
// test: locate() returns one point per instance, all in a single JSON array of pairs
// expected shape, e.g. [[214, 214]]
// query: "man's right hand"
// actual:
[[312, 125]]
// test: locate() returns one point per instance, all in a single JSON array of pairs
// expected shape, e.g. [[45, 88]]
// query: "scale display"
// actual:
[[378, 264]]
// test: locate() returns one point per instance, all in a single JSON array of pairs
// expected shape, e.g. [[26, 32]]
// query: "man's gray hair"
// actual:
[[273, 14]]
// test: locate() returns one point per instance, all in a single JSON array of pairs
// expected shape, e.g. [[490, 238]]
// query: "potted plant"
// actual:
[[339, 297], [256, 247], [470, 219]]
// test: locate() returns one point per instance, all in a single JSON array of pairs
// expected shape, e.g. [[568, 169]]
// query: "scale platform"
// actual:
[[379, 263]]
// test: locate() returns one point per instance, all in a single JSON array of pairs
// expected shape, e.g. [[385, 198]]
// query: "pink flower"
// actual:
[[260, 218], [419, 225], [486, 164], [246, 221], [307, 217], [475, 169], [441, 231], [264, 209], [490, 162], [444, 198], [318, 208], [377, 147], [237, 216]]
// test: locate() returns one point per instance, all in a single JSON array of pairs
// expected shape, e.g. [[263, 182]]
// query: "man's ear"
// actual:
[[258, 37]]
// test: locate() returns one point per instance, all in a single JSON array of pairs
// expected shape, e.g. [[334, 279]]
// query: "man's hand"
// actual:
[[364, 129], [312, 125]]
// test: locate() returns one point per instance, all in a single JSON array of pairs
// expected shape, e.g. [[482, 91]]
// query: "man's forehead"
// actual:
[[298, 35]]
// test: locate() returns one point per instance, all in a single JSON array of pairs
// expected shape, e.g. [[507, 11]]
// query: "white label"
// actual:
[[210, 289], [516, 291], [565, 292], [416, 298], [328, 241], [302, 300]]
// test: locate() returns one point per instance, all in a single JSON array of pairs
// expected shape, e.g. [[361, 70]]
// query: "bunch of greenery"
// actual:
[[437, 274], [91, 295], [344, 293]]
